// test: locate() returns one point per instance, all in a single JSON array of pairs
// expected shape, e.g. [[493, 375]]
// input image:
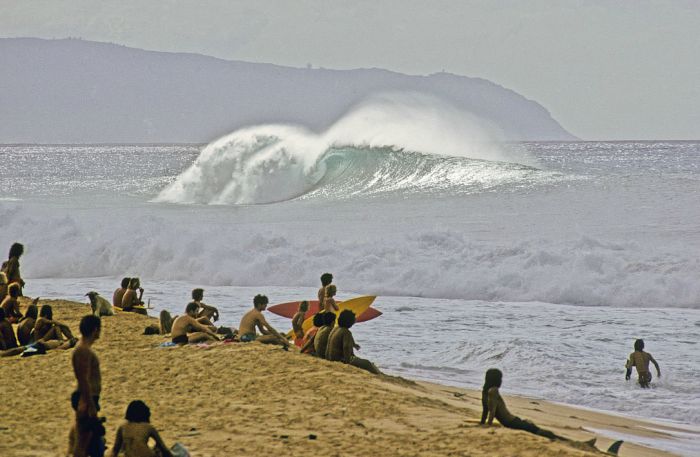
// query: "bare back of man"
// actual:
[[253, 320], [186, 329]]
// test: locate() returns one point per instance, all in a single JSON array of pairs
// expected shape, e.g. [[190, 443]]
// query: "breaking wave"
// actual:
[[392, 143]]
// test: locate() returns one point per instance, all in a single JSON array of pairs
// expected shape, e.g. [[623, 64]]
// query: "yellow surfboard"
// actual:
[[357, 305], [136, 309]]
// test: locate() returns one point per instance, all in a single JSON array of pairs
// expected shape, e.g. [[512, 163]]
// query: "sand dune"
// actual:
[[250, 399]]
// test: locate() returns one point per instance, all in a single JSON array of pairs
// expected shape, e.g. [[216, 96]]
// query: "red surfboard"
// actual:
[[289, 309]]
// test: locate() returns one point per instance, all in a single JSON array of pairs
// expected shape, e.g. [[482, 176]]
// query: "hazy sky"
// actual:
[[605, 69]]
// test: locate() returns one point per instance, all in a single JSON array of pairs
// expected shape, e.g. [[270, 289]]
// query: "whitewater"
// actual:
[[544, 259]]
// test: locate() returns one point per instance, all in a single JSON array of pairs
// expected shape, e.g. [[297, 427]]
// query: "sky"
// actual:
[[604, 69]]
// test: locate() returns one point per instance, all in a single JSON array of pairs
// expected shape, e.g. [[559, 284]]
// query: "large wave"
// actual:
[[393, 142]]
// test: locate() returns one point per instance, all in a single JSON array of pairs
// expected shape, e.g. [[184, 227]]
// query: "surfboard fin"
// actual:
[[615, 447]]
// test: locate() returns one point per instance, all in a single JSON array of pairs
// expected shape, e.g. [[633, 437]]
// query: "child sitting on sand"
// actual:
[[298, 322], [640, 360], [307, 346], [133, 436]]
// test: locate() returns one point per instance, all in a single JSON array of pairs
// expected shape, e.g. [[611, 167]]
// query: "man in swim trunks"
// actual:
[[640, 360], [254, 318], [187, 329], [326, 279], [86, 367]]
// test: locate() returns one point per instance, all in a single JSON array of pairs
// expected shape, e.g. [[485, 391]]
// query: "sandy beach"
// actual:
[[232, 399]]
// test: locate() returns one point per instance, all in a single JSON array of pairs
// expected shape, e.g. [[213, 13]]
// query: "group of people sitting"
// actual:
[[324, 339]]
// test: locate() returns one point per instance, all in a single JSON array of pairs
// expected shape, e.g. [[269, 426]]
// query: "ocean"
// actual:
[[546, 260]]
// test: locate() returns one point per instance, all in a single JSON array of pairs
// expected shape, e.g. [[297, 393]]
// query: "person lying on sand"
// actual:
[[131, 298], [326, 279], [493, 406], [118, 295], [298, 322], [11, 304], [640, 360], [40, 347], [186, 329], [307, 346], [88, 429], [254, 318], [205, 311], [7, 335], [46, 328], [341, 344], [321, 338], [329, 304], [26, 325], [133, 435]]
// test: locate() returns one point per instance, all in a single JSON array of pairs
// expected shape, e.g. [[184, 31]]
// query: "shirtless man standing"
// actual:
[[253, 319], [640, 360], [187, 329], [129, 300], [326, 279], [119, 293], [86, 366]]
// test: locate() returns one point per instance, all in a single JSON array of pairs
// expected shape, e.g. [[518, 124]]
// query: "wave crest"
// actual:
[[391, 142]]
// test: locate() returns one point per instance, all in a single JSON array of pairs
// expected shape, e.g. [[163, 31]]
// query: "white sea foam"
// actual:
[[232, 248]]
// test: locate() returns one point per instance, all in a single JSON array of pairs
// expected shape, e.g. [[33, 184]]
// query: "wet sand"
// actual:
[[232, 399]]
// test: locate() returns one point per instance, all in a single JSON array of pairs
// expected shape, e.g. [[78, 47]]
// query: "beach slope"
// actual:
[[250, 399]]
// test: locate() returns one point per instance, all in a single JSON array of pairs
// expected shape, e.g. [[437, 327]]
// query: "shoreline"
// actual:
[[230, 399]]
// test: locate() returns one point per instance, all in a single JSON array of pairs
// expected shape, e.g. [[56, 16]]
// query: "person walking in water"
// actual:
[[640, 360]]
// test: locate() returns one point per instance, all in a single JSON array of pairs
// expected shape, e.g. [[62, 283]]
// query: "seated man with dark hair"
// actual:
[[133, 435], [46, 328], [341, 344], [7, 335], [26, 325], [205, 311], [321, 338], [11, 303], [130, 299], [254, 319], [119, 293], [186, 329], [307, 344]]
